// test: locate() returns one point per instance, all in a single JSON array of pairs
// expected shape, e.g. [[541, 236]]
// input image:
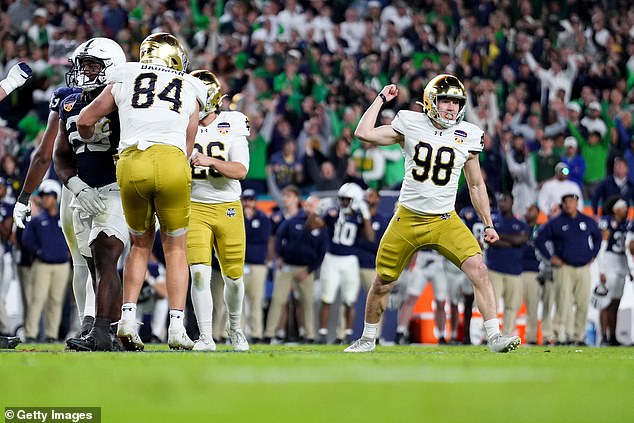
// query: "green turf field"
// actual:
[[322, 384]]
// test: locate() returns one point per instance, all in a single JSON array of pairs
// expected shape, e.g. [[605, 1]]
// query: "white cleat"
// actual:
[[204, 343], [361, 345], [238, 340], [178, 340], [127, 332], [502, 344]]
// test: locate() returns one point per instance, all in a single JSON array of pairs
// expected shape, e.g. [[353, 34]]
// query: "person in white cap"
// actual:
[[548, 199], [575, 162], [44, 239], [576, 240], [592, 122]]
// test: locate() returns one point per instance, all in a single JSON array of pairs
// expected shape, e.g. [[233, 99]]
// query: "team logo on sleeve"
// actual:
[[459, 136], [69, 104], [224, 127]]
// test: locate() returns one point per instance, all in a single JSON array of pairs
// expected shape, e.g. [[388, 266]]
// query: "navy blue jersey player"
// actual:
[[340, 268], [87, 168]]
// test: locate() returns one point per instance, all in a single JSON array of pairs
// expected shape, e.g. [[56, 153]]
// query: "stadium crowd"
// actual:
[[550, 83]]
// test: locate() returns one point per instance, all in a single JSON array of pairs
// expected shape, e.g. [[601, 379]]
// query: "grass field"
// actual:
[[322, 384]]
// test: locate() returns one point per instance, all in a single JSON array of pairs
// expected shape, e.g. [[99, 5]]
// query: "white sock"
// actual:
[[176, 319], [80, 274], [161, 310], [369, 330], [90, 309], [492, 328], [401, 329], [128, 311], [323, 331], [234, 296], [201, 297]]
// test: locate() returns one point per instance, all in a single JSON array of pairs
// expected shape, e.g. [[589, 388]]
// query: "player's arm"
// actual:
[[381, 135], [101, 106], [64, 157], [17, 76], [37, 169], [479, 196], [192, 130], [234, 169]]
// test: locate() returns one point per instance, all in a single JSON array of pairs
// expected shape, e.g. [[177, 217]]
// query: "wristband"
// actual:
[[382, 96], [489, 227], [24, 197]]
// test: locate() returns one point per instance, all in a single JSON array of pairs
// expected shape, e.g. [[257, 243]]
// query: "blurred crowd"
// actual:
[[549, 82]]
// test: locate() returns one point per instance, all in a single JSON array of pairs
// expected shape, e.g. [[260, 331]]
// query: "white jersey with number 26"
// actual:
[[434, 159], [155, 103], [225, 139]]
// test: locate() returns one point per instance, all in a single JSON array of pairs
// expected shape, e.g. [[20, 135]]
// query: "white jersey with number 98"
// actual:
[[434, 159]]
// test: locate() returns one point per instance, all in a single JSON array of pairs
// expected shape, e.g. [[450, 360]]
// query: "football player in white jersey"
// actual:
[[220, 160], [437, 146], [158, 106]]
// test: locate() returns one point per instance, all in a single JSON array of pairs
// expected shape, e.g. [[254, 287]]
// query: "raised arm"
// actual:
[[479, 197], [382, 135]]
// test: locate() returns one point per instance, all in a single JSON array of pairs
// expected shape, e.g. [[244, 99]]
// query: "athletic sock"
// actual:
[[176, 319], [128, 311], [369, 330], [201, 297], [234, 296], [492, 328]]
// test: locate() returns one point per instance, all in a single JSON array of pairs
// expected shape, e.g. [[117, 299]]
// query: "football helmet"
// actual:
[[214, 91], [165, 50], [444, 86], [349, 194], [104, 52]]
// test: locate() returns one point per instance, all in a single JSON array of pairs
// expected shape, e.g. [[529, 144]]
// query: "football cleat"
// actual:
[[502, 344], [86, 326], [361, 345], [9, 342], [163, 49], [96, 340], [204, 343], [178, 339], [238, 340], [128, 334]]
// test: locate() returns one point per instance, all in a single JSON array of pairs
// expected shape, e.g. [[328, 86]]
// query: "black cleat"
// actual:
[[86, 326], [96, 340], [9, 342]]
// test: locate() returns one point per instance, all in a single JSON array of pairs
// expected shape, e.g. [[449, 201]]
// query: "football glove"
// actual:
[[21, 213], [88, 197], [17, 76], [600, 298]]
